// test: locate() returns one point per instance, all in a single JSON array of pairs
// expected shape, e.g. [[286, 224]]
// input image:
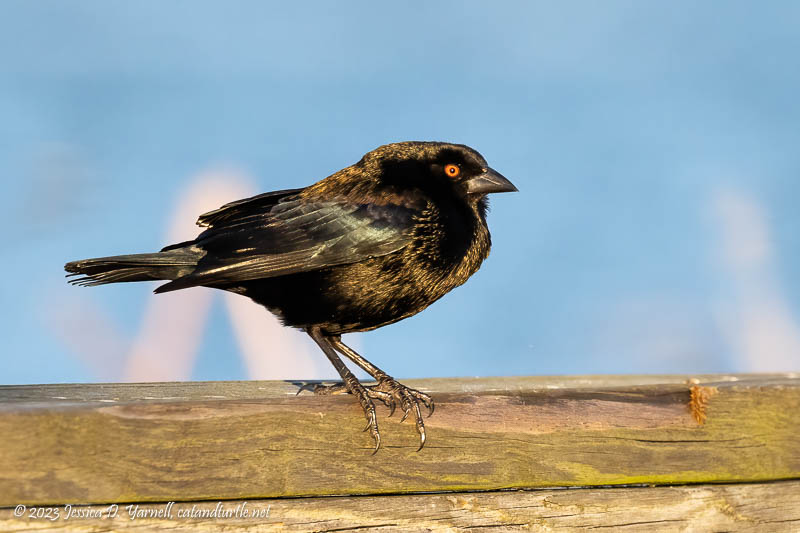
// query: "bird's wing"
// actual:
[[244, 208], [295, 235]]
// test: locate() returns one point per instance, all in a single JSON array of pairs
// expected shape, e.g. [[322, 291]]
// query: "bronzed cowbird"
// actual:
[[367, 246]]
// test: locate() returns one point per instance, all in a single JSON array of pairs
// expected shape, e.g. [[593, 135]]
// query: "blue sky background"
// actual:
[[628, 127]]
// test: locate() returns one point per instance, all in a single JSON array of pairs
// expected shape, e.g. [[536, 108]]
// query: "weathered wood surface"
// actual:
[[757, 507], [244, 440]]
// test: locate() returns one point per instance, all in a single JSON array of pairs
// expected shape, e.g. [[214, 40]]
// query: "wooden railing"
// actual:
[[660, 453]]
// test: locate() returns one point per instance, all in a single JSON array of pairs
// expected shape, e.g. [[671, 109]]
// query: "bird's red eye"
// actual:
[[452, 170]]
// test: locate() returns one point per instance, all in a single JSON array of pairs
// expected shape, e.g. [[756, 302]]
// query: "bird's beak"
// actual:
[[489, 181]]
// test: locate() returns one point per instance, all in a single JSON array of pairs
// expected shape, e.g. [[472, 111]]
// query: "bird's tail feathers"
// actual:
[[163, 265]]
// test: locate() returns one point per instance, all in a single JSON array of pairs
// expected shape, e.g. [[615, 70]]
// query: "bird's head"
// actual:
[[436, 166]]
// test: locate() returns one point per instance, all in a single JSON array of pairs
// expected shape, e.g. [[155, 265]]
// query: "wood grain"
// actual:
[[754, 507], [243, 440]]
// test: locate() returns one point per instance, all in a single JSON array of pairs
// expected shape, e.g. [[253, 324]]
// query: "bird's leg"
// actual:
[[351, 383], [408, 398], [341, 388]]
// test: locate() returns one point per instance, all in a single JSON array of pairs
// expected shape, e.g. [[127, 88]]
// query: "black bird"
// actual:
[[372, 244]]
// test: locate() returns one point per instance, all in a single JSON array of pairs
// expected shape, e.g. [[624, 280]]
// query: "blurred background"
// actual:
[[655, 146]]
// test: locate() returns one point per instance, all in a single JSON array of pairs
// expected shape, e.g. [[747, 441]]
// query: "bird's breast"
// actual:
[[386, 289]]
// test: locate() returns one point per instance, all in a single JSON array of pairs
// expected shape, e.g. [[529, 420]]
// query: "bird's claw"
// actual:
[[390, 393], [409, 400], [306, 387], [365, 399]]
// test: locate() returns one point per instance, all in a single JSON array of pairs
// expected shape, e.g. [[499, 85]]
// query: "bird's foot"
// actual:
[[389, 391], [409, 400], [341, 388], [365, 396]]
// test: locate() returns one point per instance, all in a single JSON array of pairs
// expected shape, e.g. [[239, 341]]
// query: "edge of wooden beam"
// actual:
[[235, 440]]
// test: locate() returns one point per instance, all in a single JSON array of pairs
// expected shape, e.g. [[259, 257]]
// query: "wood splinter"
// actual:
[[698, 400]]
